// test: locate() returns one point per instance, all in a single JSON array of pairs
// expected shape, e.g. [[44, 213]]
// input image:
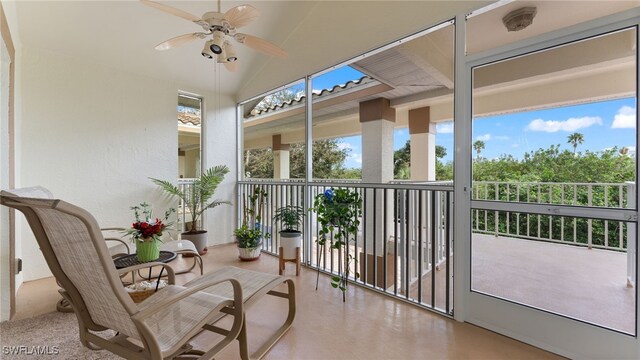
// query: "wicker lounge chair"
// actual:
[[159, 327]]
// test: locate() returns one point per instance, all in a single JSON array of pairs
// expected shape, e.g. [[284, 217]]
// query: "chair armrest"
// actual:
[[166, 303], [120, 241], [113, 229], [171, 274]]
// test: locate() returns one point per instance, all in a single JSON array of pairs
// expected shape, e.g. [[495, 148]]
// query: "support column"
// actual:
[[280, 157], [422, 134], [377, 119]]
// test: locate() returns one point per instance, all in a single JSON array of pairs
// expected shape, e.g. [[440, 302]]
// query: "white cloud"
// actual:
[[345, 145], [625, 118], [485, 137], [445, 128], [501, 137], [515, 145], [571, 124], [356, 157]]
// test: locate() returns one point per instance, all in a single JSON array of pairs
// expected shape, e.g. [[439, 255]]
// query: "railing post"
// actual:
[[631, 237], [590, 221]]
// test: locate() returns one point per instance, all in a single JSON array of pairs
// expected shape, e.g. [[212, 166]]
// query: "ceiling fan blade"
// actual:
[[231, 66], [171, 10], [261, 45], [241, 15], [179, 40]]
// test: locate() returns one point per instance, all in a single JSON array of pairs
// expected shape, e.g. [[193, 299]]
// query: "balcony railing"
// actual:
[[591, 233], [404, 243]]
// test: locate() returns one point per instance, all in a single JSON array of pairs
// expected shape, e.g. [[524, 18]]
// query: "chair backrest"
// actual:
[[75, 251]]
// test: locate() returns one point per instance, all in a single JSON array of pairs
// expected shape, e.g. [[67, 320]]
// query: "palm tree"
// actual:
[[478, 146], [575, 139]]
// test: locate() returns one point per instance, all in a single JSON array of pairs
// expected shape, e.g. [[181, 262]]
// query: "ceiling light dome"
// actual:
[[519, 19]]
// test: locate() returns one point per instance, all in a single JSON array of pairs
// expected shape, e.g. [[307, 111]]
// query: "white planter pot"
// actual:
[[289, 242], [199, 240], [249, 254]]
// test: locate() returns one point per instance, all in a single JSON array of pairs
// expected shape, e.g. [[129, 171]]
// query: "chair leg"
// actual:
[[242, 339], [281, 261], [297, 261]]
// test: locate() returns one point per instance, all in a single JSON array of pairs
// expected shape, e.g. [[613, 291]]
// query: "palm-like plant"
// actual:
[[197, 197], [478, 146], [575, 139]]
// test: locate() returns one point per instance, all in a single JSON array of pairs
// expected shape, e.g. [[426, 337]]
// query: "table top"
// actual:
[[131, 260]]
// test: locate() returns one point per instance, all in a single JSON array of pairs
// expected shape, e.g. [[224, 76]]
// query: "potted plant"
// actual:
[[197, 199], [290, 218], [249, 241], [146, 232], [339, 212], [249, 235]]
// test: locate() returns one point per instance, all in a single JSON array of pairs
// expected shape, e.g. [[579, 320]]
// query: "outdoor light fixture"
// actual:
[[218, 42], [206, 51], [230, 52], [519, 19]]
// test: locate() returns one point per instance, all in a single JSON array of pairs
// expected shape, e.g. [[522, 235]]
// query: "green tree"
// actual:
[[258, 163], [441, 151], [478, 146], [575, 139], [328, 161], [402, 162]]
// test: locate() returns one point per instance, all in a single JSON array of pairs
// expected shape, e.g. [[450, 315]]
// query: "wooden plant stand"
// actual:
[[283, 261]]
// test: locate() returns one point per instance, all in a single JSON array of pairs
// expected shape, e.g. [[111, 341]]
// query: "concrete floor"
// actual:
[[588, 285], [367, 326]]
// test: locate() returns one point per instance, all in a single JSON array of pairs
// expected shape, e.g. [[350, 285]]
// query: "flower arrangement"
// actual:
[[339, 212], [144, 229]]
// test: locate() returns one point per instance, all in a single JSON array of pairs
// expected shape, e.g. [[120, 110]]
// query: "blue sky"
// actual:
[[604, 125]]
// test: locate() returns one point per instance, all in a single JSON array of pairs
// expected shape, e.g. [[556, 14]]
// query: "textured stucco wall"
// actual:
[[93, 135]]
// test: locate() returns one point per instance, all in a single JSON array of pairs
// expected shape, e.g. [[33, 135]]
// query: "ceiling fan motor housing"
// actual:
[[215, 21]]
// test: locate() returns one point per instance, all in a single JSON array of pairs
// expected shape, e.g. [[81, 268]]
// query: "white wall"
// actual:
[[93, 135], [220, 146]]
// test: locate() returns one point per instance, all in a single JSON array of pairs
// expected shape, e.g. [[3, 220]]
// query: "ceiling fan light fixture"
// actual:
[[230, 52], [206, 51], [217, 42], [222, 57]]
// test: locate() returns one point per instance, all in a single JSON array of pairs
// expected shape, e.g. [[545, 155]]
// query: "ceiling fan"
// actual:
[[220, 27]]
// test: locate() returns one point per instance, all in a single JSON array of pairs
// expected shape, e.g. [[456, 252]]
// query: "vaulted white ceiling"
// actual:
[[316, 34]]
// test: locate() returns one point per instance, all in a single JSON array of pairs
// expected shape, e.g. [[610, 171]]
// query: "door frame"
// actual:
[[567, 337], [8, 43]]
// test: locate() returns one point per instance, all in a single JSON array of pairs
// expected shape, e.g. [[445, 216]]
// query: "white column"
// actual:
[[377, 119], [377, 151], [423, 145], [280, 158]]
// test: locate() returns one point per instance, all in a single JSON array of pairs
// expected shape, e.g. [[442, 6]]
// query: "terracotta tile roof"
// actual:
[[317, 94], [188, 119]]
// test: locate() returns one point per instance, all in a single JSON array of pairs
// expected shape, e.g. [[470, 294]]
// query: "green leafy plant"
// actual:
[[248, 237], [249, 234], [339, 212], [290, 218], [197, 197]]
